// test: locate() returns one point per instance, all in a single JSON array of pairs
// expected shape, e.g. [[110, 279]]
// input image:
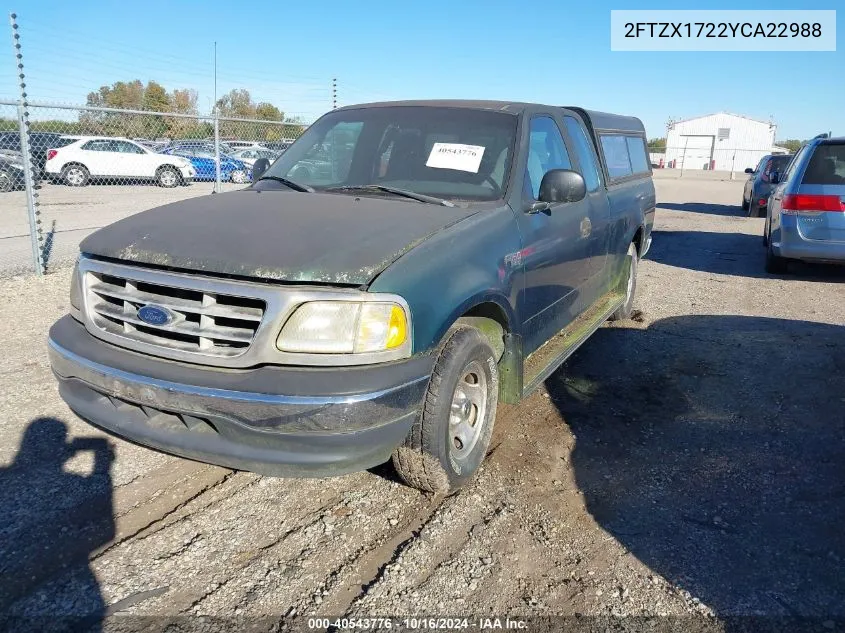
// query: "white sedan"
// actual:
[[249, 155], [115, 159]]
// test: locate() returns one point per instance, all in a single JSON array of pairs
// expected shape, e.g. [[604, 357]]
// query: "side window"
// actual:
[[546, 150], [126, 148], [96, 146], [615, 151], [637, 154], [328, 162], [794, 163], [584, 149]]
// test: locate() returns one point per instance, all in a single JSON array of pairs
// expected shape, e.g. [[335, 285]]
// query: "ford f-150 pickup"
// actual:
[[445, 256]]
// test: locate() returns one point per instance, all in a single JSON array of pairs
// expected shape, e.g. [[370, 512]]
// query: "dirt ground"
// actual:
[[689, 461]]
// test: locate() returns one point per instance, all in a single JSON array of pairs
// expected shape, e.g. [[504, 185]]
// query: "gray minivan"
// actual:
[[806, 216]]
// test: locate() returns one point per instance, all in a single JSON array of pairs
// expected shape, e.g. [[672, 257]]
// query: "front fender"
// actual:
[[456, 269]]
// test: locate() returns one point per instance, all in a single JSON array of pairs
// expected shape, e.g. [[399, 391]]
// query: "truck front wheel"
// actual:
[[449, 439]]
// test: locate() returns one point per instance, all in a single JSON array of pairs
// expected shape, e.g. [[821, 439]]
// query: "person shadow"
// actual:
[[712, 447], [51, 521]]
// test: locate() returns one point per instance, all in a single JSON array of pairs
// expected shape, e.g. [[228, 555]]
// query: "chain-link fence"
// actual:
[[89, 167], [690, 158]]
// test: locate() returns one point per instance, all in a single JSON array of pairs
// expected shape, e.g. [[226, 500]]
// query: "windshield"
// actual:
[[456, 153]]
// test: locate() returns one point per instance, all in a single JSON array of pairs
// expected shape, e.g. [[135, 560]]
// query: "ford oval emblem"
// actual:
[[154, 315]]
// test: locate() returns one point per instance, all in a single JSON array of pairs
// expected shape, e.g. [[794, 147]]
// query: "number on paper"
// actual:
[[455, 156]]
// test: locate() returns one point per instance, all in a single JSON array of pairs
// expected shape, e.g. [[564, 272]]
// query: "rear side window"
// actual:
[[625, 155], [615, 151], [826, 166], [637, 154]]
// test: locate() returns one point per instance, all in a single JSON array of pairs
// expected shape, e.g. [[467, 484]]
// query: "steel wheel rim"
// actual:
[[74, 176], [5, 181], [468, 411], [238, 176], [168, 178]]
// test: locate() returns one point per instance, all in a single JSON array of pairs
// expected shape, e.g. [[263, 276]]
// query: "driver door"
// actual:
[[556, 243]]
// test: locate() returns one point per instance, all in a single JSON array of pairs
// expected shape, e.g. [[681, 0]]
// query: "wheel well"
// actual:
[[166, 166], [638, 240], [491, 321]]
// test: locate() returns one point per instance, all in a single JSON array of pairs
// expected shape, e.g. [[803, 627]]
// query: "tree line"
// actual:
[[155, 98]]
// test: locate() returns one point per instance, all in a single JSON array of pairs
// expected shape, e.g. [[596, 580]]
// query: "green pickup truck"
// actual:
[[446, 256]]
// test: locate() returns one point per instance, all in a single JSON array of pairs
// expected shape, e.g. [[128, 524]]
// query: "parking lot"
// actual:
[[689, 461], [68, 214]]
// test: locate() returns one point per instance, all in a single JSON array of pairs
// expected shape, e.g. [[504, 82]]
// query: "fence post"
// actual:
[[29, 181], [217, 187]]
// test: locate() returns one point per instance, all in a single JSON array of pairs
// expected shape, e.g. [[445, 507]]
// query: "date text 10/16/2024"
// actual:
[[422, 623]]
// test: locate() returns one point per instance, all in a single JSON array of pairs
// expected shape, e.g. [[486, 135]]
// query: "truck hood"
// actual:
[[275, 235]]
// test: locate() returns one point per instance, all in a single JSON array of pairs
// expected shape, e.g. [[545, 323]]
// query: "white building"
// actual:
[[720, 141]]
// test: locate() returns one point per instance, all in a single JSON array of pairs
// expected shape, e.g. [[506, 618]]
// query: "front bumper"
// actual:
[[241, 419]]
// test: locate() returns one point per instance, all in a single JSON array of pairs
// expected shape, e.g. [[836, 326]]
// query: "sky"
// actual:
[[547, 51]]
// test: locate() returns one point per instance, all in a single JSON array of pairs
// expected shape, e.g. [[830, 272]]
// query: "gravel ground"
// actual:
[[687, 462], [69, 214]]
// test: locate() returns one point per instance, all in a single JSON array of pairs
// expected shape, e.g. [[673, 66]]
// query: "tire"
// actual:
[[168, 177], [626, 309], [238, 176], [775, 265], [753, 209], [449, 439], [7, 183], [76, 175]]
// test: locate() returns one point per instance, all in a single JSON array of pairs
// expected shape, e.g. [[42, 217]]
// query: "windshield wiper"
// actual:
[[420, 197], [288, 183]]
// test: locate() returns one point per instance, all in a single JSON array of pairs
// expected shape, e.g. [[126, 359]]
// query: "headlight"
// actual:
[[345, 327]]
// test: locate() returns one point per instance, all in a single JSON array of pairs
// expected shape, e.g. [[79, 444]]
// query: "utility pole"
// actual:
[[215, 75], [334, 93]]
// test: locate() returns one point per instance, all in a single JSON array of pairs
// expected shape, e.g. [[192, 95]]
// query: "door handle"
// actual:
[[586, 227]]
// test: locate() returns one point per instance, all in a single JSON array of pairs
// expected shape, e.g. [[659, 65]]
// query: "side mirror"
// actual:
[[562, 185], [259, 168], [748, 170]]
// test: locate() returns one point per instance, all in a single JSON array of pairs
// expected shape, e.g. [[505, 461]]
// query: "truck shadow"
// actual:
[[729, 254], [52, 521], [703, 207], [713, 449]]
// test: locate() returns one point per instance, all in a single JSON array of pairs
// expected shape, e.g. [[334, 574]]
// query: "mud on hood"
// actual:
[[275, 235]]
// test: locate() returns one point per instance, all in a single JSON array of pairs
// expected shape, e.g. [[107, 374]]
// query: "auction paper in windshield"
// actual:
[[455, 156]]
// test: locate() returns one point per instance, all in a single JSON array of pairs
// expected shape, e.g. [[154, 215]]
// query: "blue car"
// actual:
[[231, 169]]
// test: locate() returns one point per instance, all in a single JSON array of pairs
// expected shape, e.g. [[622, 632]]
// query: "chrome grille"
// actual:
[[206, 322]]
